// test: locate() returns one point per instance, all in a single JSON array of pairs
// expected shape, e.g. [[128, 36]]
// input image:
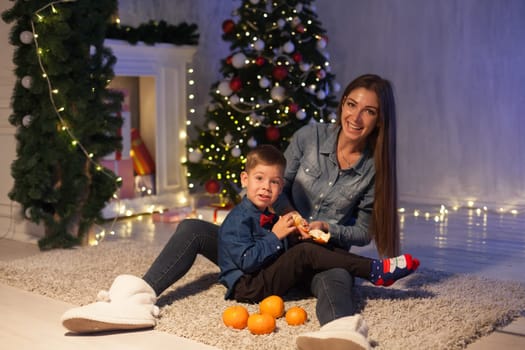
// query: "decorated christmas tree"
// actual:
[[65, 117], [276, 79]]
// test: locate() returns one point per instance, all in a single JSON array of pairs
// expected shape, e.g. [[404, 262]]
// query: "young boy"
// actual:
[[254, 254]]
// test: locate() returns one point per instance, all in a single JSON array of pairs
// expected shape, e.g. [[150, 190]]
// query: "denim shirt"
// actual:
[[244, 246], [319, 190]]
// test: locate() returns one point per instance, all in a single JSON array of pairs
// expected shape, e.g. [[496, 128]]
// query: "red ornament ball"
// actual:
[[293, 107], [272, 133], [229, 60], [235, 84], [228, 26], [279, 73], [300, 28], [212, 186], [260, 61], [297, 57]]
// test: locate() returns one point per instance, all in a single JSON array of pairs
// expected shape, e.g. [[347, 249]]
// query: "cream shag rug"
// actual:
[[427, 310]]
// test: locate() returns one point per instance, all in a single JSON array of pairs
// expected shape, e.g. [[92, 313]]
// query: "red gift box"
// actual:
[[215, 214], [124, 169], [142, 161]]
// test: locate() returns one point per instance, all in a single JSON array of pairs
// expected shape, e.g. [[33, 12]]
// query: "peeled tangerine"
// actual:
[[319, 236], [300, 223]]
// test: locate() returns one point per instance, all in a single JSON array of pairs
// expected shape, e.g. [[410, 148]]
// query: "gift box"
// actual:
[[124, 169], [143, 163], [172, 215], [214, 214]]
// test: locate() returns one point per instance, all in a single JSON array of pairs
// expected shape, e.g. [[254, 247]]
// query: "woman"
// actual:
[[341, 177]]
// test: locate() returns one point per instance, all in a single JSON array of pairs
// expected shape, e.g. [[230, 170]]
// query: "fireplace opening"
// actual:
[[153, 79]]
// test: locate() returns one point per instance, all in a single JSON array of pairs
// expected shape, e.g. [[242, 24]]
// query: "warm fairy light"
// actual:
[[470, 204], [514, 212]]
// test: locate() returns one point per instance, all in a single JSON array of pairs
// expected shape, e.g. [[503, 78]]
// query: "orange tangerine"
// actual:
[[261, 323], [296, 316], [235, 316], [272, 305]]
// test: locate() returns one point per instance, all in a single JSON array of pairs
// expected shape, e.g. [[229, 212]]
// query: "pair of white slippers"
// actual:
[[130, 304]]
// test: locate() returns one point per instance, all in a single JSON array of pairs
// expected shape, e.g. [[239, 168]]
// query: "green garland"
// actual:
[[155, 32]]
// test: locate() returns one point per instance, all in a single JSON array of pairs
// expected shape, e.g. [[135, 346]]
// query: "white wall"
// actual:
[[457, 66]]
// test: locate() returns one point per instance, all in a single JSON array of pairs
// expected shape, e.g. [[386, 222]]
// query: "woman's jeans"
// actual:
[[332, 288]]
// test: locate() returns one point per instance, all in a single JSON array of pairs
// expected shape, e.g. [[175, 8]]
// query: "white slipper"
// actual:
[[102, 316], [332, 340], [345, 333], [128, 304]]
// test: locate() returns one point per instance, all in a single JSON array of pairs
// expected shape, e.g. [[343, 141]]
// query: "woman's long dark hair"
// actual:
[[384, 227]]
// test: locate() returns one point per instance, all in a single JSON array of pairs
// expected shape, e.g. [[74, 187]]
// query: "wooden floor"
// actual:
[[484, 242]]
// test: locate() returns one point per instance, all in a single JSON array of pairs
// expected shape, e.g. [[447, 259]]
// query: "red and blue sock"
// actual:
[[386, 271]]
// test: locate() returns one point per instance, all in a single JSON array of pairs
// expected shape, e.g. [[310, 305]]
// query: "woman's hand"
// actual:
[[319, 225]]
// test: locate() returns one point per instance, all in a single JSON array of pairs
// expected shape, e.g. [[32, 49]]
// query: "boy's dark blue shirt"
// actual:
[[244, 246]]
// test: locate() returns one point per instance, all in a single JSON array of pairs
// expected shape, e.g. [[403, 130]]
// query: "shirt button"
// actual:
[[321, 195], [330, 183], [316, 207], [307, 170], [278, 247]]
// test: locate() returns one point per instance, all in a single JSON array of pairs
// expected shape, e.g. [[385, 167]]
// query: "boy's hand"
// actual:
[[284, 226]]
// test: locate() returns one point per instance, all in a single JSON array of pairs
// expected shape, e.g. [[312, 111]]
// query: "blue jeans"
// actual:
[[332, 288], [191, 237]]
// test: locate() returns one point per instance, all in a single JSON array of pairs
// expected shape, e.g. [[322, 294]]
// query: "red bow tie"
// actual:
[[266, 219]]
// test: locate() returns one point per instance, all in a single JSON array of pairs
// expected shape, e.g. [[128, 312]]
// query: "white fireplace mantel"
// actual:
[[168, 65]]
